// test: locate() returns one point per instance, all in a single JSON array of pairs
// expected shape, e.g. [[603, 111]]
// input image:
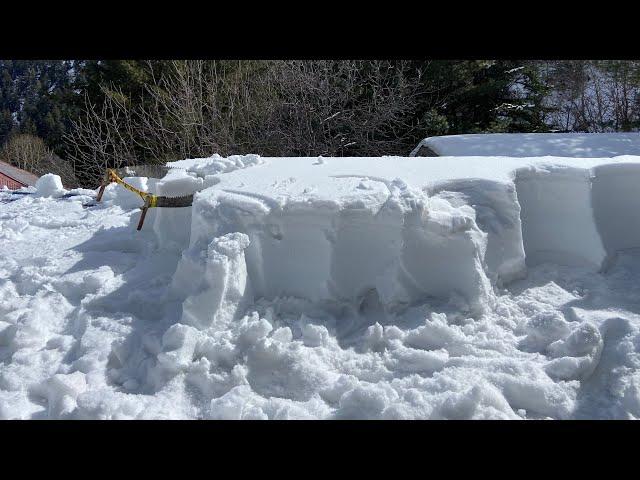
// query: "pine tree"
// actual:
[[36, 93]]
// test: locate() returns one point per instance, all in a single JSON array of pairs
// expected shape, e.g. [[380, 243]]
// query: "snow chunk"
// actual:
[[234, 405], [214, 283], [50, 185], [216, 164], [178, 345], [61, 392]]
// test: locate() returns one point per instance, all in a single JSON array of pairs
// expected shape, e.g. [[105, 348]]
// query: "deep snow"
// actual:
[[328, 288]]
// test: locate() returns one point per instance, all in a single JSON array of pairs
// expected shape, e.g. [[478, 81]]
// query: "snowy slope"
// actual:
[[328, 288], [581, 145]]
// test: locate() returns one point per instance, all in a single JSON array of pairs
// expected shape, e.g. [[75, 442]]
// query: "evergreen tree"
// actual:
[[35, 94], [475, 96]]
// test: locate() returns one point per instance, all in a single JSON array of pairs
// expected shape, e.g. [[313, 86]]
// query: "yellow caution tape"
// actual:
[[149, 199], [152, 199]]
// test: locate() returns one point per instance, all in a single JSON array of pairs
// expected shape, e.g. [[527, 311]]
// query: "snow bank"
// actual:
[[349, 233], [579, 145]]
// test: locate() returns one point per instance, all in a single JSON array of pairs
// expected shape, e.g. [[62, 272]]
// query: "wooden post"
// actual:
[[103, 185], [144, 212]]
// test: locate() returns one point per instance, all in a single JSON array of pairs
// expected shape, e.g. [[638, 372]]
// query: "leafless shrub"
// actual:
[[284, 108], [199, 108], [334, 108], [594, 96], [24, 151], [103, 137], [52, 163], [30, 153]]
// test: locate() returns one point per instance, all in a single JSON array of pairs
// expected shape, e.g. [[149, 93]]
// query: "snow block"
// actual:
[[442, 256], [497, 214], [173, 225], [400, 245], [616, 205], [558, 224]]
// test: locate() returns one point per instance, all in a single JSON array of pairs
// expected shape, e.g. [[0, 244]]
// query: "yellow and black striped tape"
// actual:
[[153, 199]]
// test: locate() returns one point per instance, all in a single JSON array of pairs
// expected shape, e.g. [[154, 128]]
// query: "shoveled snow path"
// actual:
[[86, 332]]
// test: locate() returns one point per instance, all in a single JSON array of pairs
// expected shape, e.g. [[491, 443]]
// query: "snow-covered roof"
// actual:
[[590, 145], [22, 176]]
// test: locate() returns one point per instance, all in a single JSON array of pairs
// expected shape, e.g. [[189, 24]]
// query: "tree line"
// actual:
[[77, 117]]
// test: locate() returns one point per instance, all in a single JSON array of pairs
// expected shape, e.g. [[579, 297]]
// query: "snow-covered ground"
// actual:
[[580, 145], [472, 287]]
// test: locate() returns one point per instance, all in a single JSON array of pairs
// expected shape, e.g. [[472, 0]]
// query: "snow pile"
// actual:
[[50, 185], [295, 288], [216, 164], [579, 145]]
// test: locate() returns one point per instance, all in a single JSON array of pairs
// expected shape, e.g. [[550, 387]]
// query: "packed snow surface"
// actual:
[[581, 145], [395, 288]]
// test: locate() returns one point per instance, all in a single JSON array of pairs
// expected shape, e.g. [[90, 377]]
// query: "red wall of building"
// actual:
[[9, 182]]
